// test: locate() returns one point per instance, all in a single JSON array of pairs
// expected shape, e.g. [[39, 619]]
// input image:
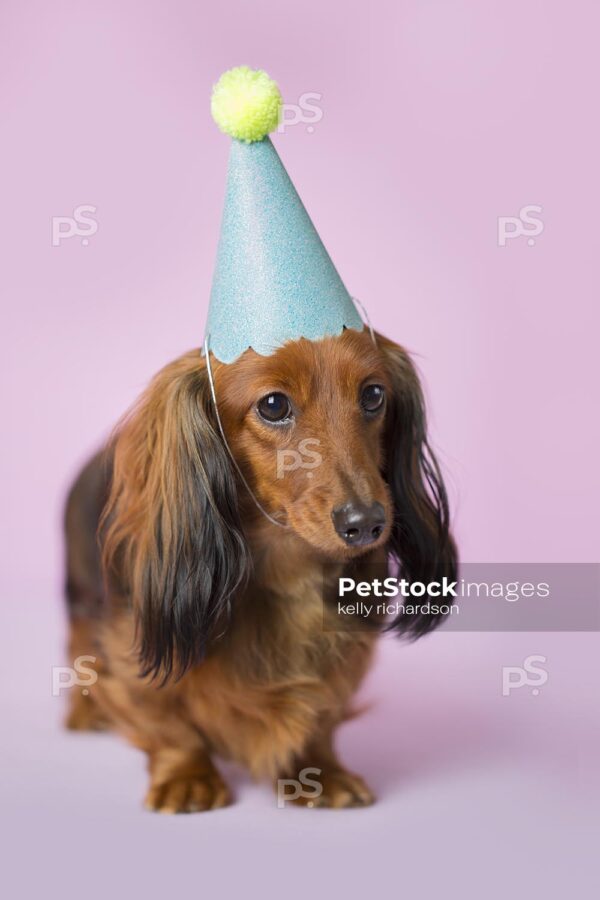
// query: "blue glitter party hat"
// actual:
[[274, 280]]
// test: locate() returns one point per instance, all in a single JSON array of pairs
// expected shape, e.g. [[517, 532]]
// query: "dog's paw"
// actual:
[[189, 793], [339, 790]]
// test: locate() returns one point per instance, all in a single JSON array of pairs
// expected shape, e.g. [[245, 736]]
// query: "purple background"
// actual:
[[437, 118]]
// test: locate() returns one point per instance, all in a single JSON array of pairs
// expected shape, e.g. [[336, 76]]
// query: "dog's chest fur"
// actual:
[[277, 677]]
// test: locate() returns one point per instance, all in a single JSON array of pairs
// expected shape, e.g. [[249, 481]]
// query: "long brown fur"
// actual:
[[212, 635]]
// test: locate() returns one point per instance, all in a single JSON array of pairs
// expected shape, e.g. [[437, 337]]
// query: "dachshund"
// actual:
[[196, 567]]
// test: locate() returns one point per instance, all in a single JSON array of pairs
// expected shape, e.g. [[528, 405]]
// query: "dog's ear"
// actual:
[[172, 535], [420, 541]]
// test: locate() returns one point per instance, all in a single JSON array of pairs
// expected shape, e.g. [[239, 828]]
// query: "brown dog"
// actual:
[[212, 636]]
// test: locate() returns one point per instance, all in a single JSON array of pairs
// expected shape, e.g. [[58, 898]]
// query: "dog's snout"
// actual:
[[358, 524]]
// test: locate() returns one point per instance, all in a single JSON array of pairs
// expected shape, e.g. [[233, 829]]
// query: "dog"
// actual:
[[195, 567]]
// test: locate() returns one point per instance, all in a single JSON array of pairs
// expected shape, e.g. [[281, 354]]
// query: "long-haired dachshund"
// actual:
[[207, 619]]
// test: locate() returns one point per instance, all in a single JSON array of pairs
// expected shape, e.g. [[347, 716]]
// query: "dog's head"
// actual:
[[330, 437], [306, 426]]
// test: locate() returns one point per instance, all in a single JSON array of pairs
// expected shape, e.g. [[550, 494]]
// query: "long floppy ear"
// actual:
[[172, 536], [420, 541]]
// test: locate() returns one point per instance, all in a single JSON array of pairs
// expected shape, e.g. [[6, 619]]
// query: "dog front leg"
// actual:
[[184, 781], [183, 777], [317, 778]]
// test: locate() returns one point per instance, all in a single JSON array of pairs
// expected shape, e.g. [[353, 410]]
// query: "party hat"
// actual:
[[274, 280]]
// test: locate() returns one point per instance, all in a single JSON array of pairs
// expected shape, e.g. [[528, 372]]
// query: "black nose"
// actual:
[[357, 524]]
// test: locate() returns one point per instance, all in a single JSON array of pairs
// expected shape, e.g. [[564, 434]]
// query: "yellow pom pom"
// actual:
[[246, 104]]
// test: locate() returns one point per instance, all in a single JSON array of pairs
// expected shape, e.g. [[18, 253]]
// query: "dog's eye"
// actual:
[[372, 398], [274, 408]]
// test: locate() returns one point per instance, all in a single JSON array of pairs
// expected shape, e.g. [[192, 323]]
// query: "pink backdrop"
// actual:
[[436, 119]]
